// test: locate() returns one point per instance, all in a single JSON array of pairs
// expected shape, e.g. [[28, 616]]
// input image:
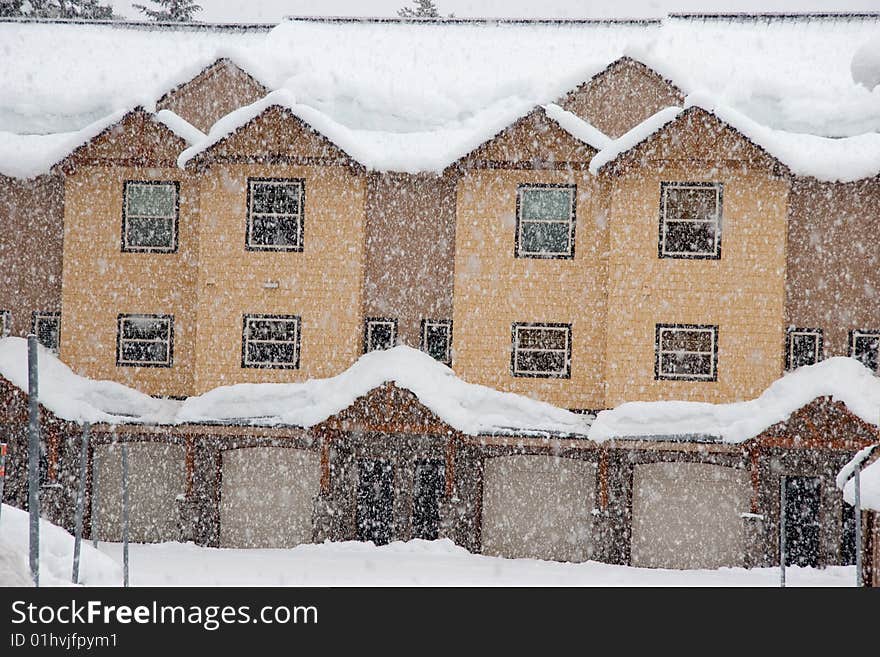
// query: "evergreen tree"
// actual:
[[422, 9], [171, 10], [84, 9]]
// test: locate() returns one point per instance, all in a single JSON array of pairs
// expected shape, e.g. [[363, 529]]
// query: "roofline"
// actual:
[[217, 61], [776, 15], [150, 25], [452, 20]]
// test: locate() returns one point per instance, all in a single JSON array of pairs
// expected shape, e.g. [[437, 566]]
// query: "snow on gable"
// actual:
[[135, 137], [543, 137], [274, 126], [843, 379]]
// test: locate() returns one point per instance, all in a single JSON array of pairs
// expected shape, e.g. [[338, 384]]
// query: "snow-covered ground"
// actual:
[[415, 563]]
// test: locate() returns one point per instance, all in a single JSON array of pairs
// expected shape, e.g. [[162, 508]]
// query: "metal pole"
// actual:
[[782, 532], [94, 522], [124, 514], [80, 502], [33, 459], [858, 514], [2, 472]]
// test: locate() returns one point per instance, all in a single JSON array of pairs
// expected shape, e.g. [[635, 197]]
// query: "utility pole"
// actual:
[[782, 532], [858, 514], [33, 459]]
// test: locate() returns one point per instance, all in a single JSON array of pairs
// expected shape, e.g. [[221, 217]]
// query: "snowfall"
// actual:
[[415, 563]]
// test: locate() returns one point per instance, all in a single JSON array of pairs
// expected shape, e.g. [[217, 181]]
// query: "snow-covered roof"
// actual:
[[842, 379], [413, 97], [28, 156], [410, 152], [869, 480], [469, 408]]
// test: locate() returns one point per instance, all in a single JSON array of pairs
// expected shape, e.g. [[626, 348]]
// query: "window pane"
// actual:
[[144, 352], [437, 341], [552, 238], [276, 198], [287, 199], [47, 332], [803, 350], [682, 340], [145, 328], [686, 364], [149, 232], [271, 352], [541, 362], [691, 202], [866, 348], [542, 338], [275, 231], [696, 238], [152, 200], [272, 329], [381, 336], [546, 203]]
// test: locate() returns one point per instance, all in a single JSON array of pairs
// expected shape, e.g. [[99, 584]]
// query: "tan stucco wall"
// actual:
[[494, 289], [100, 281], [621, 97], [322, 284], [31, 232]]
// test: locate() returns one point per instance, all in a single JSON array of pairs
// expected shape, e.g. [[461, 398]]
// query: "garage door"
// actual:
[[156, 476], [268, 496], [687, 515], [539, 507]]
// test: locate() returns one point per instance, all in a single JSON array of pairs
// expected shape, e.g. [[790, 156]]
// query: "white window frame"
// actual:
[[5, 323], [859, 333], [246, 340], [522, 327], [168, 341], [431, 323], [687, 328], [521, 190], [38, 317], [251, 214], [135, 248], [817, 336], [372, 322], [664, 220]]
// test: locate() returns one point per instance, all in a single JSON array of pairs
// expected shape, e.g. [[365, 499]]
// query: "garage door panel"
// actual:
[[538, 507], [687, 515], [156, 477], [267, 497]]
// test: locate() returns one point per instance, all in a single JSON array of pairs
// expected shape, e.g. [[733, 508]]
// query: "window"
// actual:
[[545, 221], [144, 340], [47, 328], [865, 347], [275, 214], [149, 216], [690, 220], [5, 323], [803, 347], [686, 352], [437, 339], [270, 341], [541, 350], [379, 333]]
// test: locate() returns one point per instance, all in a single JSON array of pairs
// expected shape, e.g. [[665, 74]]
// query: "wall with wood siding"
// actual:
[[833, 262], [322, 284], [743, 292], [31, 216]]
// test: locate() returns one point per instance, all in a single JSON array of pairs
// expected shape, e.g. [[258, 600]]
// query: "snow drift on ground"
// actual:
[[56, 555], [842, 379], [866, 64]]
